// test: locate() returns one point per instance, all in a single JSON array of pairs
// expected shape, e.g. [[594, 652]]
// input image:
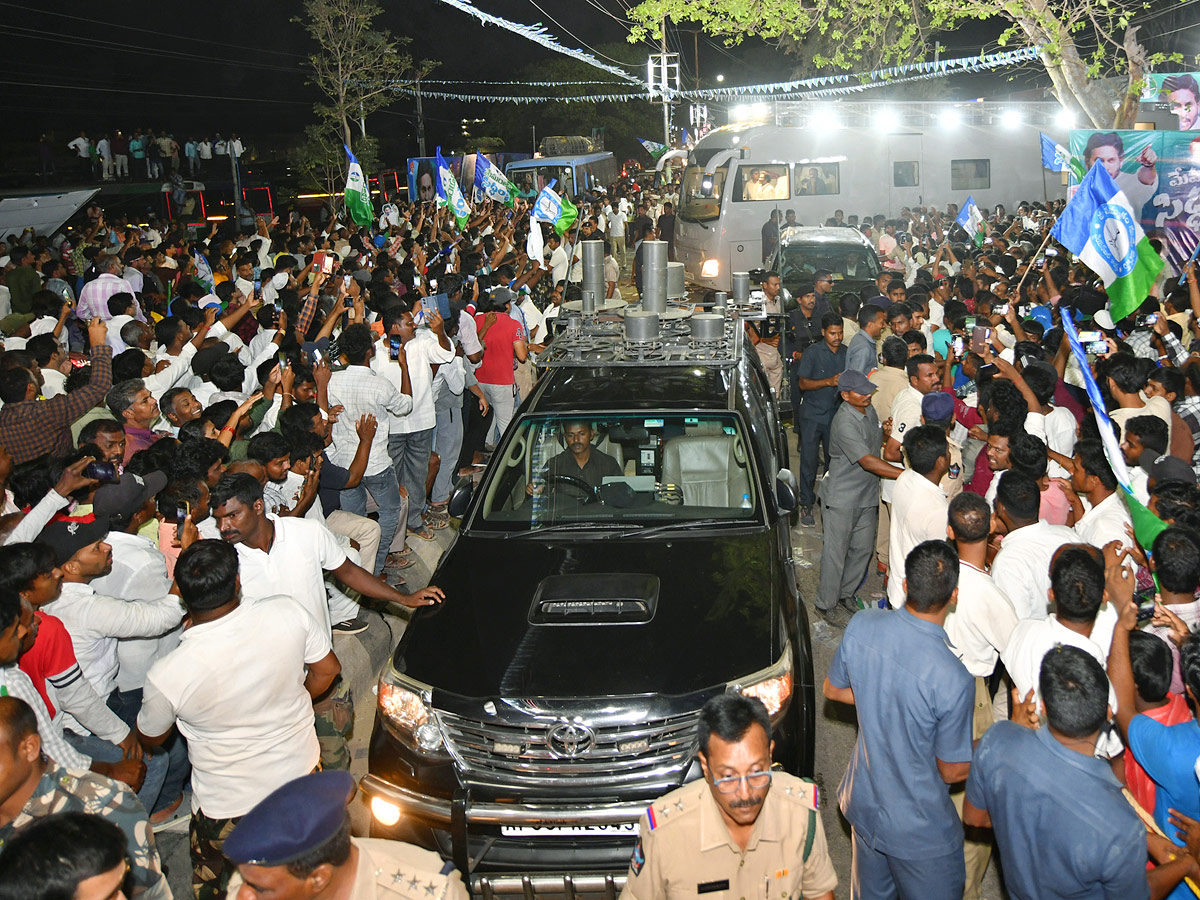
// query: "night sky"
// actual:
[[225, 66]]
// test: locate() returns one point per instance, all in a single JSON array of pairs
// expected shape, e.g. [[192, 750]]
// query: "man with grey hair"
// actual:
[[135, 408]]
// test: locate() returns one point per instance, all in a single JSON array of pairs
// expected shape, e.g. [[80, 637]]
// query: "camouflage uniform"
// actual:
[[333, 718], [210, 869], [70, 790]]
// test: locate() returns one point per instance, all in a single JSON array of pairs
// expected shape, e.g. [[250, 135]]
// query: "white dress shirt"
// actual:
[[54, 383], [362, 390], [139, 573], [905, 414], [17, 684], [249, 726], [303, 550], [1105, 522], [1021, 570], [1057, 431], [422, 353], [981, 622], [919, 513], [95, 622]]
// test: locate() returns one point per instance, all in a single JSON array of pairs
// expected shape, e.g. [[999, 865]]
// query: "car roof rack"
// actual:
[[679, 335]]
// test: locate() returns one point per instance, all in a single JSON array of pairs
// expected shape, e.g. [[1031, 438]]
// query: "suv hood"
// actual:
[[714, 618]]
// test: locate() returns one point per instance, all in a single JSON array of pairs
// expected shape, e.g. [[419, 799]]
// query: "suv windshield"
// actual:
[[800, 262], [627, 469], [696, 203]]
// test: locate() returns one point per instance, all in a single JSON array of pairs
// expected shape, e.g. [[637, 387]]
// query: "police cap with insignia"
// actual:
[[292, 820]]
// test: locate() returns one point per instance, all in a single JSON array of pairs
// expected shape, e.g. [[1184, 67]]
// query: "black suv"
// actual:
[[525, 723]]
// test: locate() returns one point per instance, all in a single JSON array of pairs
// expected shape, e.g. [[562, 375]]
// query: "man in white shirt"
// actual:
[[360, 390], [558, 259], [905, 413], [410, 436], [919, 505], [616, 229], [290, 556], [978, 627], [1021, 570], [982, 621], [1093, 479], [271, 661], [1077, 591]]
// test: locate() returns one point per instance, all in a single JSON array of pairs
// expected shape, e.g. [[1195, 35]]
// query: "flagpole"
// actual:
[[1025, 274]]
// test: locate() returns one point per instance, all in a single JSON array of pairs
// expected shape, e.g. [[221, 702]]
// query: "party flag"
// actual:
[[358, 195]]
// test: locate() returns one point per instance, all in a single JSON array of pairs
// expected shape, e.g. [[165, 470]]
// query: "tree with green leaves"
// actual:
[[356, 66], [1083, 43]]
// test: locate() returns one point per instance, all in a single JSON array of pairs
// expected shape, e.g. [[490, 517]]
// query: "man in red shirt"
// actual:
[[1152, 665], [503, 342]]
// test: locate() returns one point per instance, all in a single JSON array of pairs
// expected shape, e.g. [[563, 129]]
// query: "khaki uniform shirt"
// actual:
[[392, 870], [685, 850], [890, 382]]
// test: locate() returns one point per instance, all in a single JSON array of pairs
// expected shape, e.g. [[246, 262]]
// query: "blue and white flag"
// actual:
[[204, 272], [548, 206], [1100, 225], [971, 219], [491, 183], [449, 193], [358, 193], [1057, 158]]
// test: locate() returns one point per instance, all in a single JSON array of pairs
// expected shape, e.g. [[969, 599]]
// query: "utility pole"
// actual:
[[420, 123], [666, 103], [362, 120]]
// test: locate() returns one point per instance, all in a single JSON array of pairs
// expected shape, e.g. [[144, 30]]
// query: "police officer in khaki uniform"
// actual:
[[296, 845], [743, 833]]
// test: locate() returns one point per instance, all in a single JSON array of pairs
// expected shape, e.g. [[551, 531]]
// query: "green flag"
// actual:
[[568, 216], [358, 194]]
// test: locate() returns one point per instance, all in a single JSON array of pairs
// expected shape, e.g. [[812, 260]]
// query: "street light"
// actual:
[[720, 78]]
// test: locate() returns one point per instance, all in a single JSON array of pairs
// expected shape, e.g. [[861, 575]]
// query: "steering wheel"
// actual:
[[590, 494]]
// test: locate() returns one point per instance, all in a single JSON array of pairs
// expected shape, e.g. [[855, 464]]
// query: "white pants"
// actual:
[[360, 529]]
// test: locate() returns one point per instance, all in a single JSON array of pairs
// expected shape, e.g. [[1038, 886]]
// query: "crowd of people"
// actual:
[[142, 154], [218, 449]]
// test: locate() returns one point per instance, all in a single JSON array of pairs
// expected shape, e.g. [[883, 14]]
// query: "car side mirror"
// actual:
[[787, 491], [460, 500]]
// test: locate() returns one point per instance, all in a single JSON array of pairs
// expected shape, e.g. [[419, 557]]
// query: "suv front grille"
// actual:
[[648, 753]]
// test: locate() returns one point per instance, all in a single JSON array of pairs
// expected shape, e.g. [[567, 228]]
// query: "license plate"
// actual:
[[627, 829]]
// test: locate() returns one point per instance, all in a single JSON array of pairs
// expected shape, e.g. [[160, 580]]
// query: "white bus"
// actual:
[[862, 158]]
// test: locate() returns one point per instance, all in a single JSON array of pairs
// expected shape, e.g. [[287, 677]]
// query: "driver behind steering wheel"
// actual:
[[579, 462]]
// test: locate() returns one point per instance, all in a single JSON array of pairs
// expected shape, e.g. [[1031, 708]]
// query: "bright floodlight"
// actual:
[[950, 118], [1010, 118], [746, 111], [825, 119], [886, 122], [1065, 119]]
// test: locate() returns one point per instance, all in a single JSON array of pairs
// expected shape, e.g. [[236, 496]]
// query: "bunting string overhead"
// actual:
[[818, 87], [539, 35]]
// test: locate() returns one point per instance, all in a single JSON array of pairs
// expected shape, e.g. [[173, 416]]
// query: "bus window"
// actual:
[[970, 174], [701, 194], [906, 174], [818, 178], [761, 183]]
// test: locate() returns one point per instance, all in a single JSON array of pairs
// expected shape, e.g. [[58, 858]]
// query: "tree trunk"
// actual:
[[1135, 54]]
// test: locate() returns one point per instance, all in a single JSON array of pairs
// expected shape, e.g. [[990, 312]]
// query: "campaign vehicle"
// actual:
[[859, 158], [625, 557]]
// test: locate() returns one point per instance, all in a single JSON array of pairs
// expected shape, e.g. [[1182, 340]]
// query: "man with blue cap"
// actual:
[[296, 845], [850, 497]]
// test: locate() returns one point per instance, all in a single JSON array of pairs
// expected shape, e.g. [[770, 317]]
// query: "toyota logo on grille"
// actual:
[[570, 739]]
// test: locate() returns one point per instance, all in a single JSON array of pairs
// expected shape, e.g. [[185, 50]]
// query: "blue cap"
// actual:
[[292, 820], [937, 406], [1042, 314]]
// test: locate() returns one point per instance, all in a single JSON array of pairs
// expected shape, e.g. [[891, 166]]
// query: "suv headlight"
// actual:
[[405, 706], [773, 685], [710, 268]]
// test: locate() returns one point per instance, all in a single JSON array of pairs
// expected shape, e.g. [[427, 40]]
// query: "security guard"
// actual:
[[743, 833], [296, 845]]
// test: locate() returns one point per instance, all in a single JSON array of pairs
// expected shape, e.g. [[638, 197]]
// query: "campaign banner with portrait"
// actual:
[[1159, 171], [422, 176], [1177, 91]]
